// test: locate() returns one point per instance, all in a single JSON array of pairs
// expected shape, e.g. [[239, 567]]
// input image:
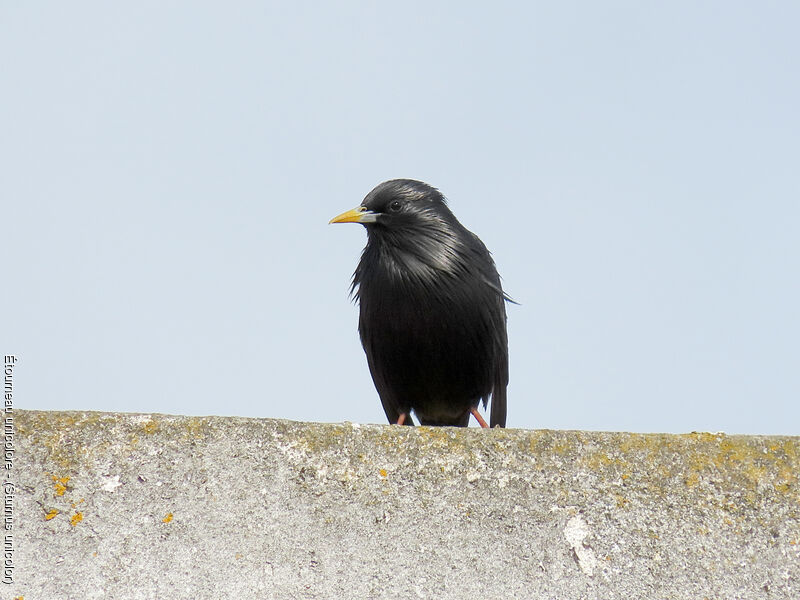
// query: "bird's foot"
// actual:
[[401, 419], [479, 418]]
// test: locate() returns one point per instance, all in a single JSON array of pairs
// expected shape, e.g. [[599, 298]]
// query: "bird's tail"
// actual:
[[497, 417]]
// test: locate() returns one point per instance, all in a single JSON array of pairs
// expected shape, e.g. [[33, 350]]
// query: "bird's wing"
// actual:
[[490, 276], [388, 399]]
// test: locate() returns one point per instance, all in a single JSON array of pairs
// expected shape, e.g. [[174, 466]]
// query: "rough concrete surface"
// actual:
[[151, 506]]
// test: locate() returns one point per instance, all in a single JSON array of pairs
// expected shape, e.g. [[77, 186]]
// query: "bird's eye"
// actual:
[[395, 206]]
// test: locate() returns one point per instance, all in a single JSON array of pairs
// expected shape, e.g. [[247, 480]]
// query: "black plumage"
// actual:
[[432, 314]]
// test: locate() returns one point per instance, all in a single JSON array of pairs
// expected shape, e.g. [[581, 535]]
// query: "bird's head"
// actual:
[[397, 205], [412, 235]]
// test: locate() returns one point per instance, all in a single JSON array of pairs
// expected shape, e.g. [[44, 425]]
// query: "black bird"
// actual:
[[432, 316]]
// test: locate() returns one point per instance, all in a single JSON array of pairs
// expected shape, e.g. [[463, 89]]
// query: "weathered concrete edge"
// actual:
[[748, 456], [742, 489]]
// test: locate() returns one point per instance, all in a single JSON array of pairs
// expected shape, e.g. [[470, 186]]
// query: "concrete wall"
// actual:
[[152, 506]]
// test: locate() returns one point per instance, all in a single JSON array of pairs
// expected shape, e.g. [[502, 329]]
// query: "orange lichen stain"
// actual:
[[238, 556], [625, 476], [693, 479], [383, 473], [150, 427], [621, 501], [75, 504], [167, 519], [738, 453], [76, 518], [195, 427], [60, 484], [51, 515]]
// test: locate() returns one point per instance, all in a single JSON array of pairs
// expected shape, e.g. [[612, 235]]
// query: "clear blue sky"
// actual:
[[169, 170]]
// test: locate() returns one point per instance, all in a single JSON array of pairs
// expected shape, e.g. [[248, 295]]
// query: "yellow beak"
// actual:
[[359, 214]]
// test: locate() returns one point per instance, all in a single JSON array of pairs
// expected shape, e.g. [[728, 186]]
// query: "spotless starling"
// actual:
[[432, 316]]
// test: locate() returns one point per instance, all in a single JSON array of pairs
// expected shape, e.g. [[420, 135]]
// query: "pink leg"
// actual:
[[478, 416]]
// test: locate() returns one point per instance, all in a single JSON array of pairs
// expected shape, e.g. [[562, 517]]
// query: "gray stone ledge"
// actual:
[[151, 506]]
